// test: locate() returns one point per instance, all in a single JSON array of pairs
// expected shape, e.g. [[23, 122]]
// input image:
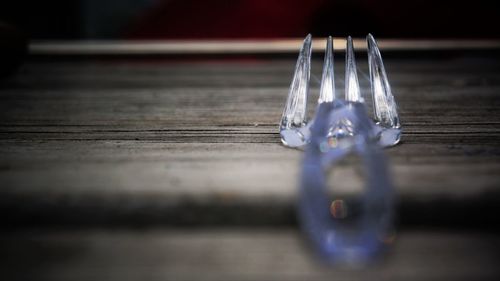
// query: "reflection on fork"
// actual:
[[295, 128]]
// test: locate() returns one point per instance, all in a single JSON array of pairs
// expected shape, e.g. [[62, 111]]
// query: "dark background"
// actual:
[[191, 19]]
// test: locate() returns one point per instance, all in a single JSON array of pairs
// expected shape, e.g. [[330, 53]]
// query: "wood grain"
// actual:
[[157, 169], [139, 141]]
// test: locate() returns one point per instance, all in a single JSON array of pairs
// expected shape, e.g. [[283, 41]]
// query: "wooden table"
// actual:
[[171, 168]]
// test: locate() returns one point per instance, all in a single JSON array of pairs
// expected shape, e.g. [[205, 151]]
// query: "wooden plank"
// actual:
[[234, 254], [170, 137], [171, 95], [141, 182]]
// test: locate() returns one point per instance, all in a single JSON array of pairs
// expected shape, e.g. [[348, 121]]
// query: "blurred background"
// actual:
[[214, 19]]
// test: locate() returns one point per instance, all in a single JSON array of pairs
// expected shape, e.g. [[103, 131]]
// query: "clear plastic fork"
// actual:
[[294, 126], [350, 227]]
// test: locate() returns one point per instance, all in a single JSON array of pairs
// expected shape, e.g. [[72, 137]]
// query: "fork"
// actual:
[[351, 228], [294, 126]]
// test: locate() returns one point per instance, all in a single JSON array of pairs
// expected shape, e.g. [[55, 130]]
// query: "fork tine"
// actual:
[[295, 112], [327, 90], [385, 109], [352, 90]]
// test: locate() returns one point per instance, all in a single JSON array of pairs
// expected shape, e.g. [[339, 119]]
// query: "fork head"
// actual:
[[294, 127]]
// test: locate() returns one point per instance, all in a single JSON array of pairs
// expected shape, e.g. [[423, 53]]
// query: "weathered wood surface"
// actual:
[[77, 135], [107, 145], [235, 254]]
